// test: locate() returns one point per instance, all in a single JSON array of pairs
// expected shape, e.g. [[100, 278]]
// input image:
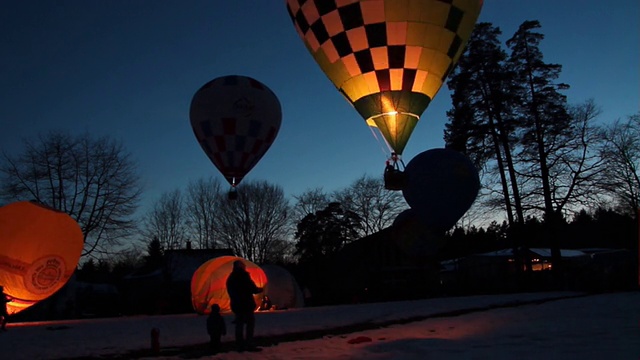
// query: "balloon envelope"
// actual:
[[39, 251], [389, 58], [282, 288], [413, 238], [235, 120], [209, 283], [441, 185]]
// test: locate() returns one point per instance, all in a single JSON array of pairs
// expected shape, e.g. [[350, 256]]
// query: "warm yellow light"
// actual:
[[392, 123], [209, 283], [387, 106]]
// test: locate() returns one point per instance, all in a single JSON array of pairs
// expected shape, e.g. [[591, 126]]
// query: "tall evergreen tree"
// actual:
[[542, 114], [482, 113]]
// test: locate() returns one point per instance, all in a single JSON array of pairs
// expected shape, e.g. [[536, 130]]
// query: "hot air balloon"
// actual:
[[441, 185], [414, 238], [388, 58], [39, 251], [209, 283], [282, 288], [235, 119]]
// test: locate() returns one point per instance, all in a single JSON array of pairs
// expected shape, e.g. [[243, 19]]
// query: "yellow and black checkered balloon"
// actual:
[[389, 58]]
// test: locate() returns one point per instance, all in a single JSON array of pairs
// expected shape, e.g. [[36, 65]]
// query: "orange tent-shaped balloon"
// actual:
[[208, 284], [389, 58], [39, 251]]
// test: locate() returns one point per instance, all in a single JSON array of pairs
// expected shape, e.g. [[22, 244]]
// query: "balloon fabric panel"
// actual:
[[386, 56]]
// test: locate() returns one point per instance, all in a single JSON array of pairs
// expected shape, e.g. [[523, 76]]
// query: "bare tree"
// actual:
[[621, 152], [200, 206], [94, 180], [282, 251], [309, 202], [252, 223], [376, 206], [574, 164], [166, 221], [325, 232]]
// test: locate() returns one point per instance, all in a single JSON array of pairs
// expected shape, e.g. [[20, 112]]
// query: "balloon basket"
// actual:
[[233, 194], [394, 179]]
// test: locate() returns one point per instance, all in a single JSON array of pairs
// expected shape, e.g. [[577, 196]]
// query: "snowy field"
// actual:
[[516, 326]]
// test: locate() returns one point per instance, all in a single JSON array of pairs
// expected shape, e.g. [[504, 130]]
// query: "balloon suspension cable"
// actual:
[[380, 141]]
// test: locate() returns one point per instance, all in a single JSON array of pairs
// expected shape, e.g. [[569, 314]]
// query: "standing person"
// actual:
[[215, 328], [4, 314], [241, 288], [266, 303]]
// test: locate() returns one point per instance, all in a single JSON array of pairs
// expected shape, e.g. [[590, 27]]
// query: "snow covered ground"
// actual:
[[516, 326]]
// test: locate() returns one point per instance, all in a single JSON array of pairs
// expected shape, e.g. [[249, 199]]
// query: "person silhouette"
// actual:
[[266, 303], [241, 288], [216, 327], [4, 314]]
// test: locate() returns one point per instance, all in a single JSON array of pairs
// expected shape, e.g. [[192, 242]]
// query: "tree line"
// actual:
[[540, 157], [95, 181]]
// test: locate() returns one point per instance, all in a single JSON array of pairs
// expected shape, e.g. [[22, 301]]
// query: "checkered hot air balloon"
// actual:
[[389, 58], [235, 119]]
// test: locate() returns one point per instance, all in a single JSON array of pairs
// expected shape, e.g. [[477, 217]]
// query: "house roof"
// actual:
[[541, 252], [565, 253], [181, 264]]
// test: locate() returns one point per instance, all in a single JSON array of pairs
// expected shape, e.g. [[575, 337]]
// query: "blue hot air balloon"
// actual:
[[441, 185]]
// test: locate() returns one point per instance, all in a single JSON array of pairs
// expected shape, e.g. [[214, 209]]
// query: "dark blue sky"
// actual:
[[128, 69]]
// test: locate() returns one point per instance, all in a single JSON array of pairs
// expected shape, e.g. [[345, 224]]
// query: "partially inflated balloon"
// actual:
[[441, 185], [283, 289], [413, 237], [39, 251], [235, 120], [209, 283], [389, 58]]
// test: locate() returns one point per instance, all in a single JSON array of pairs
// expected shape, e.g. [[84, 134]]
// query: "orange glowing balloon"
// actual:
[[209, 283], [39, 251]]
